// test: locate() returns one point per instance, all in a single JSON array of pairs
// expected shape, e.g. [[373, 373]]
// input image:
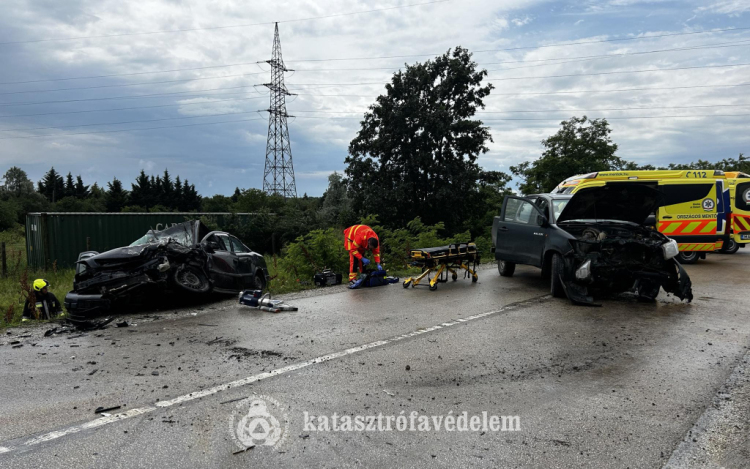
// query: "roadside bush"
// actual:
[[315, 251]]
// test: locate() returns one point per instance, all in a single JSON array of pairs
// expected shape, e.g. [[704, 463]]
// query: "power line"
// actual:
[[133, 108], [524, 47], [557, 118], [553, 62], [212, 28], [27, 129], [131, 84], [545, 76], [200, 93], [131, 130], [619, 71], [138, 96], [639, 108]]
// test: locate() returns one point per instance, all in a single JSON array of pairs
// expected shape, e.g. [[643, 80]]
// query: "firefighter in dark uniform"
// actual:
[[45, 306]]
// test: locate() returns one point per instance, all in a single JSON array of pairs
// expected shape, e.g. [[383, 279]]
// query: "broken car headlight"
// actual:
[[584, 271], [670, 249]]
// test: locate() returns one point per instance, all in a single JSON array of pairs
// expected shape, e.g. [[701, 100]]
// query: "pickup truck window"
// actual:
[[518, 211]]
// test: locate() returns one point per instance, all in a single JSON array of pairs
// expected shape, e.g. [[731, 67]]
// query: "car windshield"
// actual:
[[558, 206], [181, 234]]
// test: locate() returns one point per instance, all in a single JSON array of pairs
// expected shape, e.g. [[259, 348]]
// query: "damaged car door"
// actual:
[[224, 263]]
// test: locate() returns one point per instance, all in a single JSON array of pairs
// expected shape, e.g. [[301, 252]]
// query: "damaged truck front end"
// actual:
[[611, 258]]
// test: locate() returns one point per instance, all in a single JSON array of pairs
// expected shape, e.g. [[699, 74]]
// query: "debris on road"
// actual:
[[244, 450], [100, 410], [122, 324]]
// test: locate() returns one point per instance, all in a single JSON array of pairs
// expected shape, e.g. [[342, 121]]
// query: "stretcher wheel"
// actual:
[[475, 278], [433, 287], [455, 277], [407, 283]]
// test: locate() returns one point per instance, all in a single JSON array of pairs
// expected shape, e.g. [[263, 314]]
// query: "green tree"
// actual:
[[116, 197], [336, 208], [81, 191], [141, 190], [52, 186], [742, 164], [70, 186], [8, 215], [580, 146], [16, 182], [416, 151]]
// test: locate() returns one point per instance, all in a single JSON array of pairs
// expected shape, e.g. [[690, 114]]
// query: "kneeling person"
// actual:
[[357, 240], [45, 304]]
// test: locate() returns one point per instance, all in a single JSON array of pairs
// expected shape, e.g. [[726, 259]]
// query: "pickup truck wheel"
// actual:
[[687, 257], [556, 286], [506, 268], [730, 247]]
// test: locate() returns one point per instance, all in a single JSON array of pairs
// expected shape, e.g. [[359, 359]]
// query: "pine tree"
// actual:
[[178, 201], [167, 188], [52, 186], [141, 191], [70, 188], [116, 197], [81, 191]]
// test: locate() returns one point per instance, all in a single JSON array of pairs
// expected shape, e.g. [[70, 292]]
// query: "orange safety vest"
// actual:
[[355, 241]]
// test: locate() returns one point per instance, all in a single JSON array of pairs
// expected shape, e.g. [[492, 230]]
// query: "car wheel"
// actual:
[[260, 282], [556, 286], [191, 280], [687, 257], [730, 247], [506, 268]]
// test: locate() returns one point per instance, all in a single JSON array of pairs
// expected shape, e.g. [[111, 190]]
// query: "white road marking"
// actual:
[[54, 435]]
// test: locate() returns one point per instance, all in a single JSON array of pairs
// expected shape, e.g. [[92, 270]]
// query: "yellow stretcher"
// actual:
[[442, 260]]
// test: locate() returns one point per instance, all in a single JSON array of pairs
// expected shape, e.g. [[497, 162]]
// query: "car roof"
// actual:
[[552, 196]]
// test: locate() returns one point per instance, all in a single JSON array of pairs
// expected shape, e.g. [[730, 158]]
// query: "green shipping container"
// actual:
[[59, 237]]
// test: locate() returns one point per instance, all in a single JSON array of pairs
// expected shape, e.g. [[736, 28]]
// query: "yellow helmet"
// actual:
[[40, 283]]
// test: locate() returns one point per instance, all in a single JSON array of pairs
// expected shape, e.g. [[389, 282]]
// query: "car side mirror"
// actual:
[[541, 220], [650, 220], [210, 246]]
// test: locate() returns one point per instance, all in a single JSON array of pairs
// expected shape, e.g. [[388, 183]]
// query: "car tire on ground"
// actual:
[[506, 268], [556, 286], [687, 257], [730, 247]]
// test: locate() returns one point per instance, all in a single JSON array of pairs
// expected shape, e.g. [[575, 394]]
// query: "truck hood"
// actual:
[[625, 201]]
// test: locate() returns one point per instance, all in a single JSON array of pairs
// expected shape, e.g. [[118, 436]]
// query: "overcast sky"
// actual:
[[511, 39]]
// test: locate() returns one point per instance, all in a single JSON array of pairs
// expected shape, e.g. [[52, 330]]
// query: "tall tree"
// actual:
[[52, 186], [70, 187], [116, 197], [178, 201], [141, 190], [416, 151], [81, 190], [580, 146], [16, 182]]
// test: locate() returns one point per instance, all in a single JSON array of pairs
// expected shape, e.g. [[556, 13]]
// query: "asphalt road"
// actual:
[[626, 385]]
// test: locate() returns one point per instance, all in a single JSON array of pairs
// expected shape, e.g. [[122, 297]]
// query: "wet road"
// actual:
[[625, 385]]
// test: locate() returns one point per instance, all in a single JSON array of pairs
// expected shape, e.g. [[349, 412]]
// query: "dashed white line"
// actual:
[[54, 435]]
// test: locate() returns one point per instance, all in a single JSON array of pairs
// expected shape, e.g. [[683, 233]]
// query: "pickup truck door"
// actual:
[[517, 233]]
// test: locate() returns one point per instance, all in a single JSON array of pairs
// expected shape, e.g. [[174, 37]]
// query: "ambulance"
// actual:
[[739, 200], [697, 208]]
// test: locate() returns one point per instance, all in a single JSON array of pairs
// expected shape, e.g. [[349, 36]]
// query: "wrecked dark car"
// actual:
[[597, 241], [186, 257]]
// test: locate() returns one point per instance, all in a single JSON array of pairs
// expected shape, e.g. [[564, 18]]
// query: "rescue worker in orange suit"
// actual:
[[357, 240]]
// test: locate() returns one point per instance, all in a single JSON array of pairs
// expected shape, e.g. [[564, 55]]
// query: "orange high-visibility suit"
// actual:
[[355, 241]]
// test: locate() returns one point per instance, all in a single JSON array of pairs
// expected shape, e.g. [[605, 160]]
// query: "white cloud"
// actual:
[[727, 7]]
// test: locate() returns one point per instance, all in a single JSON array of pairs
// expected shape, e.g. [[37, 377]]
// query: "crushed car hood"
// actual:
[[629, 202]]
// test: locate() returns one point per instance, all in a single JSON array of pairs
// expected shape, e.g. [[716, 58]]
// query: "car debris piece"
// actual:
[[122, 324], [185, 257], [99, 410], [597, 240], [244, 450]]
